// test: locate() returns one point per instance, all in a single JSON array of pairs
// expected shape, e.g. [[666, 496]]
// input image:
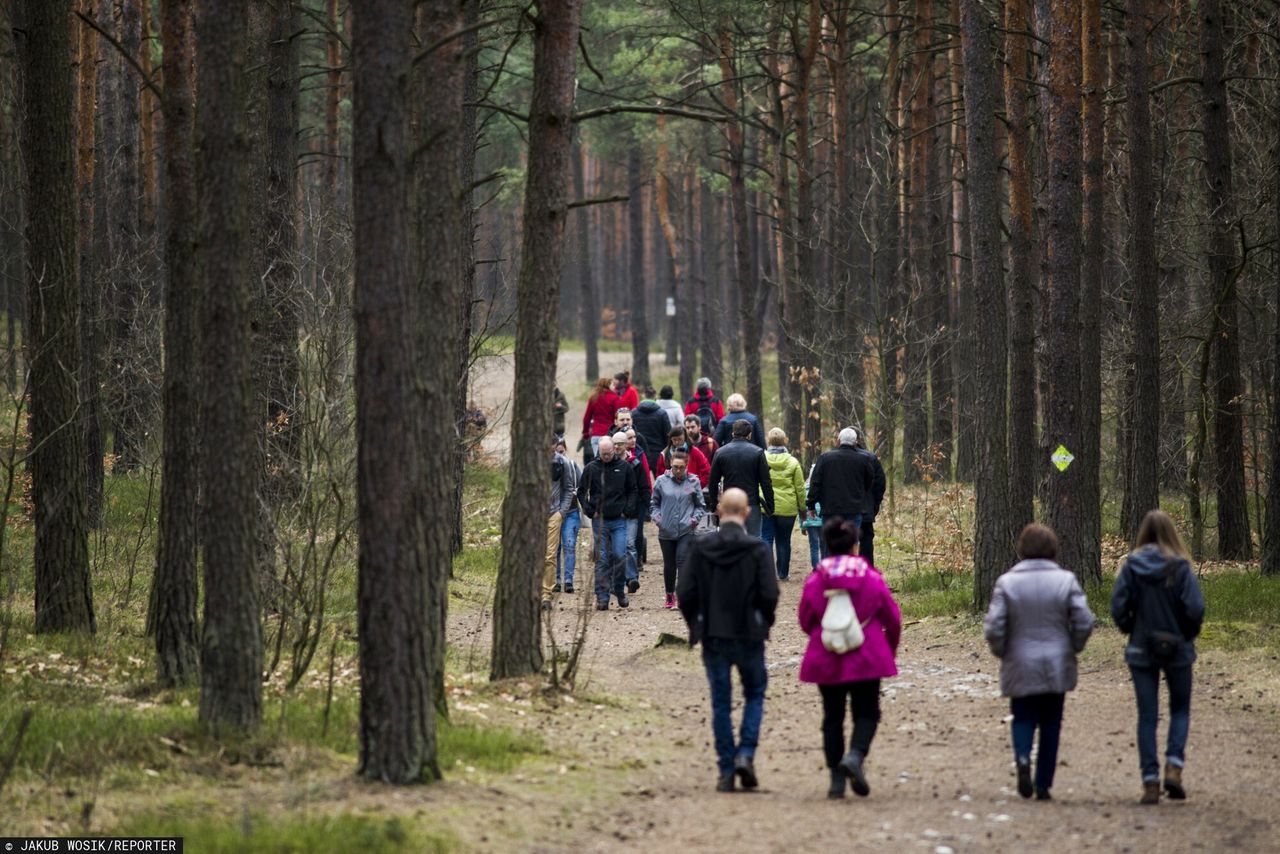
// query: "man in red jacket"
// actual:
[[705, 405]]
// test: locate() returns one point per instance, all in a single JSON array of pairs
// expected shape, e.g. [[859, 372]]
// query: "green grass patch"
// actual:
[[312, 834], [932, 594]]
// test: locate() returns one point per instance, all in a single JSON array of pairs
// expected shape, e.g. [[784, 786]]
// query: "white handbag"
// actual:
[[841, 631]]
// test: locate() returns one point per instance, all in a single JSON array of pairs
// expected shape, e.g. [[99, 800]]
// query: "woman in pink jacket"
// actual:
[[851, 678]]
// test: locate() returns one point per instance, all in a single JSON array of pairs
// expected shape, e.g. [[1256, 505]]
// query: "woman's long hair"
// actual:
[[602, 385], [1159, 529]]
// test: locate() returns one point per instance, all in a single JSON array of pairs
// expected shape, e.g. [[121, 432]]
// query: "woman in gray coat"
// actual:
[[1038, 622]]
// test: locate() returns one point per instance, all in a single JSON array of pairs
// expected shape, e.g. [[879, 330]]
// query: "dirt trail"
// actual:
[[941, 767]]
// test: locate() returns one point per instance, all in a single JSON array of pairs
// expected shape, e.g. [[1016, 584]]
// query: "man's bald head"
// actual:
[[733, 506], [606, 448]]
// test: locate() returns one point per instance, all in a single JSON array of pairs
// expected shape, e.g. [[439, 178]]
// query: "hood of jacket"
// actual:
[[731, 547], [1151, 564], [647, 406]]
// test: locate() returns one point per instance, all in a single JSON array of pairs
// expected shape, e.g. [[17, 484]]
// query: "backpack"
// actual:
[[841, 631], [705, 413]]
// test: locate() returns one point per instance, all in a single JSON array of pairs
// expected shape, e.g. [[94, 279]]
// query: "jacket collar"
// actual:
[[1034, 564]]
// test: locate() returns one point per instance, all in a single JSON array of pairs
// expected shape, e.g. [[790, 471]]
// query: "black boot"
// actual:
[[836, 792], [852, 765]]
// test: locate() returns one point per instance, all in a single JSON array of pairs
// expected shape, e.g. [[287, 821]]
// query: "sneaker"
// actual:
[[633, 585], [603, 605], [851, 764], [1024, 777], [745, 768], [623, 601], [1173, 782], [1150, 792], [671, 601], [724, 783], [556, 588], [568, 588], [1043, 794]]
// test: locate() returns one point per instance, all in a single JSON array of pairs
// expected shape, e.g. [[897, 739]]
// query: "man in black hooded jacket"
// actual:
[[728, 594]]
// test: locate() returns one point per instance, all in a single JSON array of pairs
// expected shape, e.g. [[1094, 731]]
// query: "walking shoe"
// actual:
[[725, 783], [745, 768], [1043, 794], [546, 604], [1024, 776], [851, 764], [836, 792], [671, 601], [623, 601], [1173, 782], [556, 587], [633, 585], [568, 588], [602, 605], [1150, 792]]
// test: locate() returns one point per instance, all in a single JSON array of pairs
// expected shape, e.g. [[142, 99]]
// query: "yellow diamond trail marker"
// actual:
[[1062, 458]]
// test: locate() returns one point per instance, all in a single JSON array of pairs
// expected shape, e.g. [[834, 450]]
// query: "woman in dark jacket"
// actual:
[[1158, 603]]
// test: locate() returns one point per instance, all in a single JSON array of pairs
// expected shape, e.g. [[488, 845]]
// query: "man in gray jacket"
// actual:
[[1038, 622], [676, 507], [564, 488]]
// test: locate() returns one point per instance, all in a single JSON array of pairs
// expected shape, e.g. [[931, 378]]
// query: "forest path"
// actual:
[[941, 772]]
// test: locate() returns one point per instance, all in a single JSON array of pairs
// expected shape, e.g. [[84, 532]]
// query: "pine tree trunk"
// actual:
[[517, 629], [686, 304], [635, 265], [63, 590], [964, 332], [1023, 445], [12, 248], [397, 714], [1144, 452], [86, 113], [1065, 490], [586, 284], [231, 641], [712, 235], [1234, 542], [993, 534], [1271, 539], [175, 590]]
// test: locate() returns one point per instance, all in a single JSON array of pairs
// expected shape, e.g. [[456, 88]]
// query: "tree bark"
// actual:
[[635, 265], [231, 641], [63, 590], [686, 303], [1064, 492], [1234, 541], [710, 307], [993, 533], [86, 141], [675, 251], [1271, 538], [397, 714], [587, 295], [1144, 452], [175, 589], [517, 627], [1023, 446]]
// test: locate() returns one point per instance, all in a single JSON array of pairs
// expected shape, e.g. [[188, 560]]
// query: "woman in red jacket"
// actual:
[[597, 421]]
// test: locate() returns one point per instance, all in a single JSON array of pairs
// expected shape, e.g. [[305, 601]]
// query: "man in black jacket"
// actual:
[[652, 425], [866, 543], [608, 495], [842, 480], [728, 594], [740, 464]]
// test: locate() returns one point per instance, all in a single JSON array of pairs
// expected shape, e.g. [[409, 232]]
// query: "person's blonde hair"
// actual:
[[1158, 528], [777, 436], [736, 403]]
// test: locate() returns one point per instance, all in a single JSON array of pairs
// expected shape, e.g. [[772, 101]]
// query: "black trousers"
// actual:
[[863, 697], [867, 540]]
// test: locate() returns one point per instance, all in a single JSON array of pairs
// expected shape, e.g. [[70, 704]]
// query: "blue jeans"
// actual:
[[1043, 711], [776, 533], [754, 519], [568, 556], [719, 657], [611, 552], [817, 548], [1146, 686], [633, 562]]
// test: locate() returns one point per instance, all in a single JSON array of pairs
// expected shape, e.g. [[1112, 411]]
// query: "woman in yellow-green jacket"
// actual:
[[788, 500]]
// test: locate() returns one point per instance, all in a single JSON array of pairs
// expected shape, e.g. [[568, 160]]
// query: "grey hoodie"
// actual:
[[676, 508], [564, 489]]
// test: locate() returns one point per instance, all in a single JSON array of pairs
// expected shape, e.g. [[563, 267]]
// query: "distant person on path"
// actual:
[[653, 426], [742, 465], [697, 438], [850, 679], [871, 508], [625, 390], [567, 558], [676, 508], [559, 406], [787, 477], [1038, 622], [608, 493], [636, 517], [597, 420], [738, 412], [705, 405], [666, 400], [699, 468], [728, 595], [842, 480], [811, 524], [564, 490], [1157, 602]]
